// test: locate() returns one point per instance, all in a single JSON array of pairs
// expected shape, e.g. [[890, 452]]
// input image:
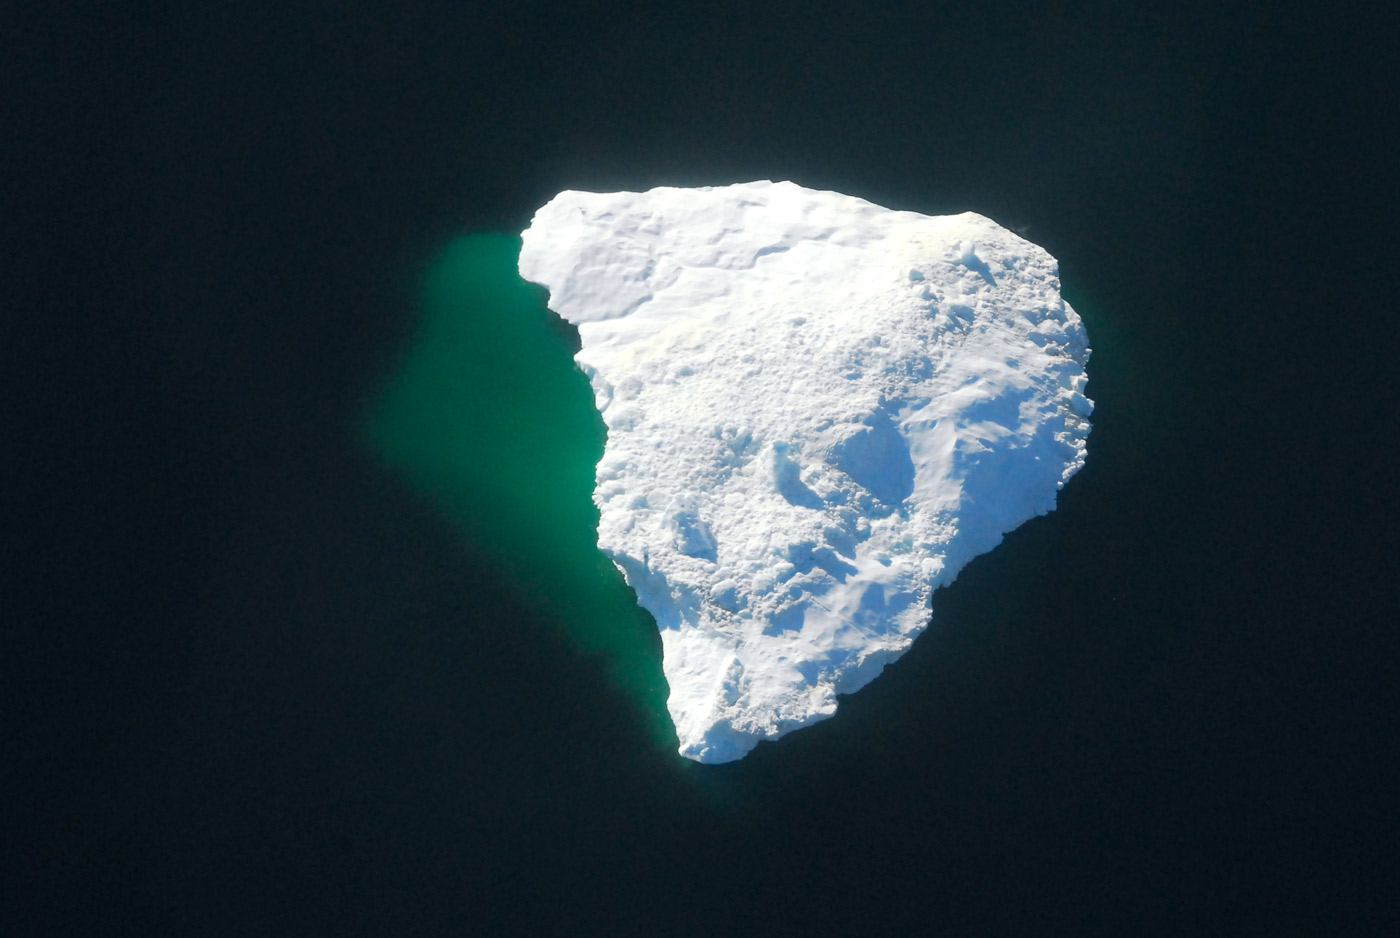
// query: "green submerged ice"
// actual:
[[489, 417]]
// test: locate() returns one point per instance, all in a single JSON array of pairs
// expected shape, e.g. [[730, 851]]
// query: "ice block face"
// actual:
[[818, 411]]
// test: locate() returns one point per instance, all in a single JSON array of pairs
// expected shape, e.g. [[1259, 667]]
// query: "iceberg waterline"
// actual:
[[818, 410]]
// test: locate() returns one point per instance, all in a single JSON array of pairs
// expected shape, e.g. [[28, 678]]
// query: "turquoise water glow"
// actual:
[[488, 415]]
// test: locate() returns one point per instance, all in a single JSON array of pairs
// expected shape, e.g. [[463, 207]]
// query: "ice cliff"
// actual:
[[818, 411]]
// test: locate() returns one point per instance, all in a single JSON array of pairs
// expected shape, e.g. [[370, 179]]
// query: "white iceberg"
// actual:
[[818, 411]]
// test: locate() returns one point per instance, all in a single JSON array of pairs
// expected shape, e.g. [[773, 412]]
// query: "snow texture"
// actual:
[[818, 411]]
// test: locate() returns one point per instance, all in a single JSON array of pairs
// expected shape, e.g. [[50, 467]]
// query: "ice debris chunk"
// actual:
[[818, 411]]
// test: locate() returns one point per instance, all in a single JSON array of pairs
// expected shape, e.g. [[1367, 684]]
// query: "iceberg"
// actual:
[[818, 411]]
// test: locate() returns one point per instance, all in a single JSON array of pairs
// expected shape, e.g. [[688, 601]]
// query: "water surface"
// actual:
[[488, 415]]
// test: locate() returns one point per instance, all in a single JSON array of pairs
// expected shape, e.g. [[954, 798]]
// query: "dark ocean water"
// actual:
[[302, 630]]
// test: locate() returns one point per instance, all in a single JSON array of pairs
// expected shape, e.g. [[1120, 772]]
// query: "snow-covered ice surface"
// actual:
[[818, 411]]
